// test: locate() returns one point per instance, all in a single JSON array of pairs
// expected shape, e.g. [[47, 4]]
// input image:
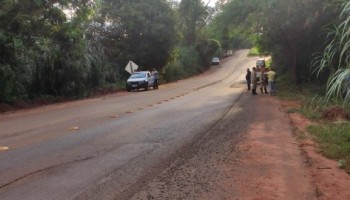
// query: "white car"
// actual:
[[215, 61], [260, 63], [140, 79]]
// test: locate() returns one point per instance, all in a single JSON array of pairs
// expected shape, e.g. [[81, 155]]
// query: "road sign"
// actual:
[[131, 67]]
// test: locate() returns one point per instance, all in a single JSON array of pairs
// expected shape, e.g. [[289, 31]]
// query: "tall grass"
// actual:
[[334, 142], [335, 59]]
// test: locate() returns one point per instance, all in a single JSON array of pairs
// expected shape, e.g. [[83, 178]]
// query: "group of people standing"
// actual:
[[266, 76]]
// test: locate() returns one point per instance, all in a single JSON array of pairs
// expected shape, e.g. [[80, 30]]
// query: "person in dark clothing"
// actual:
[[263, 80], [254, 81], [248, 77]]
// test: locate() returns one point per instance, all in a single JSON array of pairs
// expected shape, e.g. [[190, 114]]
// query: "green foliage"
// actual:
[[192, 15], [232, 26], [292, 32], [185, 62], [334, 140], [188, 60], [311, 95], [42, 52], [173, 72], [45, 52], [255, 51], [288, 30], [193, 54], [206, 48], [335, 59], [311, 113], [141, 31]]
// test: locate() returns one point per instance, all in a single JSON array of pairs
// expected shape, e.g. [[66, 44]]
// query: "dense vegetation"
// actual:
[[70, 48]]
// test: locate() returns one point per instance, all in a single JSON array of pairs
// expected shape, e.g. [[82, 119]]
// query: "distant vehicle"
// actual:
[[227, 53], [215, 61], [140, 79], [260, 63]]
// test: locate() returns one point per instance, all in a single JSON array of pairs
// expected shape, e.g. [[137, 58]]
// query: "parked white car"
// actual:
[[215, 61], [140, 79]]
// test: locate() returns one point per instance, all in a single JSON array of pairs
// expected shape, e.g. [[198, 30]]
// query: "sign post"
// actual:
[[131, 67]]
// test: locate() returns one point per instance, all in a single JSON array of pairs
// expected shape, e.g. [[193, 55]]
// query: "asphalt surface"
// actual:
[[113, 147]]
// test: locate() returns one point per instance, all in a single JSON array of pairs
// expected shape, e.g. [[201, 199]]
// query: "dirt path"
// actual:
[[253, 153], [270, 162], [278, 160]]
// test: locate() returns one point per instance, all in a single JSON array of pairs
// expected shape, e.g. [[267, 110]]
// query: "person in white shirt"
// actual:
[[156, 77]]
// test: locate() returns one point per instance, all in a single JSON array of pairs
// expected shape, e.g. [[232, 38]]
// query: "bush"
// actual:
[[185, 63], [254, 52], [173, 72]]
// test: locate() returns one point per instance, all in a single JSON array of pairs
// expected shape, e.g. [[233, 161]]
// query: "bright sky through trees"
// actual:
[[212, 2]]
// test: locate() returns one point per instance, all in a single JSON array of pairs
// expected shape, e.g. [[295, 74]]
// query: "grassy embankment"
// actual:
[[331, 127]]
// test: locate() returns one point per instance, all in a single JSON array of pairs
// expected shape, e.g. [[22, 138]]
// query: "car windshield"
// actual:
[[259, 62], [138, 75]]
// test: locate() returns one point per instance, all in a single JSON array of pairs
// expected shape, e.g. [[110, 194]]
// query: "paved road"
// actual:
[[109, 147]]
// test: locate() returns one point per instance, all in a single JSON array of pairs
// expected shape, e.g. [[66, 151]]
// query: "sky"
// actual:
[[212, 2]]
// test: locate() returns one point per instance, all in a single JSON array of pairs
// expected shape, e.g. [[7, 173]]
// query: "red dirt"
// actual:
[[330, 181], [335, 113], [276, 164]]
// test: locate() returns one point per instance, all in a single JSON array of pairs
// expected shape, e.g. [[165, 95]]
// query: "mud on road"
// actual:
[[250, 154]]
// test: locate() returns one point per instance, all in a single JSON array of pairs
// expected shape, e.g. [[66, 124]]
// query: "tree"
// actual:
[[142, 31], [42, 51], [292, 32], [234, 25], [289, 30], [192, 14]]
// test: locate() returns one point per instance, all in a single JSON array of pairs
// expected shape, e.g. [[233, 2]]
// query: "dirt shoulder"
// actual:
[[271, 165], [285, 164], [329, 180]]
